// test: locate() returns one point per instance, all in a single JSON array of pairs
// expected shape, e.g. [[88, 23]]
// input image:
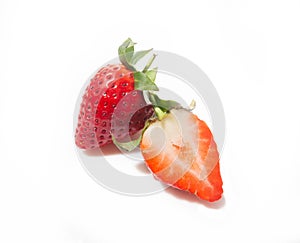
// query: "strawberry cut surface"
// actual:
[[180, 151]]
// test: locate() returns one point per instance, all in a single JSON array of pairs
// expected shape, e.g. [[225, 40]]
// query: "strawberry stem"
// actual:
[[149, 63], [192, 105], [159, 113]]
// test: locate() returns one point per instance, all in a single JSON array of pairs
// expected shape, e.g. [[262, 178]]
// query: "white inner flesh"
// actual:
[[177, 130]]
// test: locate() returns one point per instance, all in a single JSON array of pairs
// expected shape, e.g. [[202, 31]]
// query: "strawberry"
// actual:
[[113, 101], [179, 149], [177, 146]]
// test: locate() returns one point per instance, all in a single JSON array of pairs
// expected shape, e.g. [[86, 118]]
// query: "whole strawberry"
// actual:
[[113, 104]]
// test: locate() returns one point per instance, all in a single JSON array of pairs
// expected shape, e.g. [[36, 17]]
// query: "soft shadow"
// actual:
[[183, 195], [109, 149], [143, 168]]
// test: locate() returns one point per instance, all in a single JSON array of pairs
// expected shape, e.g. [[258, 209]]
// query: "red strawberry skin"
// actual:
[[110, 85]]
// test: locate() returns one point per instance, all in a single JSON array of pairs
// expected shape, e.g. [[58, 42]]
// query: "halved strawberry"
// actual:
[[179, 150], [115, 85]]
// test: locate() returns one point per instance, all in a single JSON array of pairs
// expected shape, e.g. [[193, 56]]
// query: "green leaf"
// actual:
[[128, 44], [129, 53], [152, 74], [126, 51], [164, 105], [138, 56], [128, 146], [143, 82], [129, 58]]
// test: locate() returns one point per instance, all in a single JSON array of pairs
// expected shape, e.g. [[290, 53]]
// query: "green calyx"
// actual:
[[143, 80], [162, 107]]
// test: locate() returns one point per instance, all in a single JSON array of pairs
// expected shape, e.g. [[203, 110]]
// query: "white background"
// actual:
[[251, 52]]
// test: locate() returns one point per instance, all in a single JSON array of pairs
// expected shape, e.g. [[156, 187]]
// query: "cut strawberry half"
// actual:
[[179, 150]]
